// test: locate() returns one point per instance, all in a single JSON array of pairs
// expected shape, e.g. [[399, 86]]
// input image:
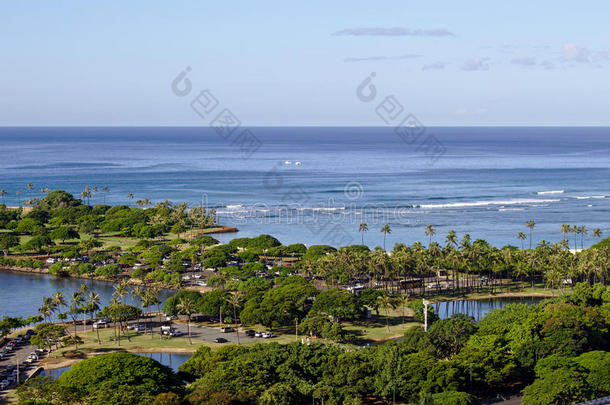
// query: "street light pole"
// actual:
[[426, 303]]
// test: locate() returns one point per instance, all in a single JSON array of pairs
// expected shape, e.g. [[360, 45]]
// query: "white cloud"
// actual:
[[394, 32], [575, 53], [476, 63]]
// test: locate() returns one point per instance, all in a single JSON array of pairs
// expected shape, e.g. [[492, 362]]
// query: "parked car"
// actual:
[[227, 329], [268, 335], [250, 333], [258, 334], [220, 340]]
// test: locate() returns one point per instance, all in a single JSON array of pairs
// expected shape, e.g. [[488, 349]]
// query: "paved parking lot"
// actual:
[[210, 333], [8, 363]]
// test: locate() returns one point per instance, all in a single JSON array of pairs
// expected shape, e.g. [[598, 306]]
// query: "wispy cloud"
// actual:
[[524, 61], [435, 66], [575, 53], [378, 58], [476, 63], [394, 32]]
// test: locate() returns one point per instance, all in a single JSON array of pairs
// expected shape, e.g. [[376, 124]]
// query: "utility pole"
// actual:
[[220, 318], [426, 303], [296, 329], [18, 380]]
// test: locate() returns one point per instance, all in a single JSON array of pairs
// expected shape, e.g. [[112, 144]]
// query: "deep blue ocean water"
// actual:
[[488, 182]]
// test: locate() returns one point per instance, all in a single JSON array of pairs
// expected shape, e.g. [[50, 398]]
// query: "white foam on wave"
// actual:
[[550, 192], [523, 201], [511, 209], [587, 197]]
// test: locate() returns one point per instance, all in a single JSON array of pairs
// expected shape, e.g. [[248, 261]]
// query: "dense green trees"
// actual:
[[118, 378]]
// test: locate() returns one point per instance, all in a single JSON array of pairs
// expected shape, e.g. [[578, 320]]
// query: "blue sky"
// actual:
[[299, 63]]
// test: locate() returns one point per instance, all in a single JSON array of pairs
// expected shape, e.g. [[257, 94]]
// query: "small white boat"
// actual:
[[287, 162], [297, 163]]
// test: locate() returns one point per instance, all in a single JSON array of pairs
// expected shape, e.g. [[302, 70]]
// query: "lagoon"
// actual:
[[21, 293], [479, 308]]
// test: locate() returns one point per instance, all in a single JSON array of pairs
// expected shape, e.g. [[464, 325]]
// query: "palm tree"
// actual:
[[114, 305], [565, 229], [385, 229], [93, 305], [84, 290], [597, 233], [106, 190], [386, 302], [187, 307], [19, 197], [130, 196], [58, 301], [120, 292], [451, 238], [3, 195], [401, 301], [75, 308], [139, 293], [363, 227], [574, 230], [582, 230], [235, 301], [430, 231], [530, 225], [521, 236]]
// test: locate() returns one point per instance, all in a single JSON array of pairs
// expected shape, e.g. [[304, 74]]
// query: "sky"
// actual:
[[278, 63]]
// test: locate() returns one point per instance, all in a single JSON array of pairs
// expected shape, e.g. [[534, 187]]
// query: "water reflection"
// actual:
[[478, 308]]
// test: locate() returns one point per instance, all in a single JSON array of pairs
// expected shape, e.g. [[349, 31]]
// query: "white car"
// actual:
[[268, 335]]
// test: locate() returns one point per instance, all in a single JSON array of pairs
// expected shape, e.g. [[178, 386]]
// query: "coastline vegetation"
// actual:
[[341, 299]]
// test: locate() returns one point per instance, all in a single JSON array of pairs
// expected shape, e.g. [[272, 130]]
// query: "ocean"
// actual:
[[316, 185]]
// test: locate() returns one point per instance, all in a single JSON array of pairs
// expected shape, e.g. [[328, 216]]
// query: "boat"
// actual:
[[297, 163], [287, 162]]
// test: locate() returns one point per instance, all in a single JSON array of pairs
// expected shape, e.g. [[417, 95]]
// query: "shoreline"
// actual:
[[53, 363], [45, 272]]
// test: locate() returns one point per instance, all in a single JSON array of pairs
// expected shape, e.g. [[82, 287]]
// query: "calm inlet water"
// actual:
[[171, 360], [21, 294], [478, 308]]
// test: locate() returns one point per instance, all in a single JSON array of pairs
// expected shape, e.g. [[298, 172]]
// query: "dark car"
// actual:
[[250, 333], [220, 340]]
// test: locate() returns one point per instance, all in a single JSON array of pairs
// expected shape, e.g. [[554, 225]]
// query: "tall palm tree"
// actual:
[[120, 292], [386, 302], [3, 195], [106, 190], [75, 308], [430, 232], [530, 225], [582, 230], [58, 300], [235, 301], [139, 293], [187, 307], [19, 197], [451, 238], [84, 290], [401, 301], [130, 196], [114, 305], [385, 229], [93, 305], [521, 236], [574, 230], [597, 233], [565, 230], [363, 227]]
